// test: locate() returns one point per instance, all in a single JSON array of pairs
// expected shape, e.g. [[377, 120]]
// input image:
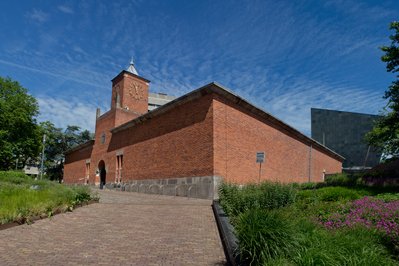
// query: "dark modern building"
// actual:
[[344, 133]]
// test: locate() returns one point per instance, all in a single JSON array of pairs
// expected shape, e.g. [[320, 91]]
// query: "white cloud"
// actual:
[[47, 67], [284, 58], [293, 103], [63, 113], [38, 15], [65, 9]]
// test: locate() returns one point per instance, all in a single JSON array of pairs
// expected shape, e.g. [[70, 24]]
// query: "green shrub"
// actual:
[[14, 177], [337, 194], [279, 237], [278, 225], [19, 200], [264, 236], [329, 194], [82, 194], [341, 179], [308, 185], [357, 246], [387, 197], [229, 197], [268, 195], [276, 195]]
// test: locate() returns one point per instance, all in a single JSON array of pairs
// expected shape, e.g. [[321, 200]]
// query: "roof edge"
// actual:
[[340, 111], [262, 113], [131, 74], [218, 89], [80, 146]]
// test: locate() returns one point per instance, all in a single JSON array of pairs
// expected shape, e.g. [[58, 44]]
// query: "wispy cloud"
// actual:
[[284, 56], [363, 10], [60, 73], [37, 15], [65, 9], [67, 112]]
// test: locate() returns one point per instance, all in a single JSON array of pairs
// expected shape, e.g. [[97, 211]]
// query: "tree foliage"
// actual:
[[385, 133], [58, 141], [19, 134]]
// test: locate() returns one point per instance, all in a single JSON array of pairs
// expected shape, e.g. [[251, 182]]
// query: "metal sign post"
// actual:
[[41, 167], [260, 158]]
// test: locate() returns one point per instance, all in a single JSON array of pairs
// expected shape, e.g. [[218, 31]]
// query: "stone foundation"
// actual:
[[203, 187]]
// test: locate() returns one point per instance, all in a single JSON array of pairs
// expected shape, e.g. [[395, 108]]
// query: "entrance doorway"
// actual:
[[103, 173]]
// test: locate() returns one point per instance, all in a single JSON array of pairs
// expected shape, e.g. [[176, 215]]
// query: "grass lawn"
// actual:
[[21, 197], [307, 224]]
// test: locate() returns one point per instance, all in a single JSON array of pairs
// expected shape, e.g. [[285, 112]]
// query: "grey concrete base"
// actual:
[[203, 187]]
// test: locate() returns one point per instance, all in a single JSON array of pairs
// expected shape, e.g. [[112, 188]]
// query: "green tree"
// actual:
[[385, 133], [19, 134], [58, 141]]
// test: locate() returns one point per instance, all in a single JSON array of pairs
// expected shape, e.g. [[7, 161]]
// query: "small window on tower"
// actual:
[[118, 100], [102, 138]]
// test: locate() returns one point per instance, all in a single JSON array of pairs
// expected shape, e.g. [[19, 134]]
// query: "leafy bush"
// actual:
[[337, 194], [329, 194], [281, 237], [264, 235], [82, 194], [308, 185], [268, 195], [288, 225], [357, 246], [14, 177], [276, 195], [341, 179], [21, 197], [388, 197]]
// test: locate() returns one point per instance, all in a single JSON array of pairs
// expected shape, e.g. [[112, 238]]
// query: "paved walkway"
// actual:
[[125, 228]]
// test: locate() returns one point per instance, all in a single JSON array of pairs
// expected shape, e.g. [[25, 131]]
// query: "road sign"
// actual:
[[260, 157]]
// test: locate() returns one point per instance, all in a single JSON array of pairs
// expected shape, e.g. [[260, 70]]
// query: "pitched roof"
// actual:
[[217, 89], [131, 68], [81, 146]]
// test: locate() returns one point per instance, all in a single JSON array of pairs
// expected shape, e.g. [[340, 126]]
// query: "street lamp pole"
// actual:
[[41, 167]]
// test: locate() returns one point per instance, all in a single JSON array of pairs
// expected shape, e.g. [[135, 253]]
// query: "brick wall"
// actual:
[[176, 144], [238, 135], [75, 165], [122, 116], [322, 162], [203, 137], [100, 150]]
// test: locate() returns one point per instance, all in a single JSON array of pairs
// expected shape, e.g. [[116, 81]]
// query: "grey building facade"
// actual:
[[156, 100], [344, 133]]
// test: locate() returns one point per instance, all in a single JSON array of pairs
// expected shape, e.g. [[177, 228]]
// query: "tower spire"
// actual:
[[131, 68]]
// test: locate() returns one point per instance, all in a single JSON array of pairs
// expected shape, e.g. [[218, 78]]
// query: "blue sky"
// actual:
[[283, 56]]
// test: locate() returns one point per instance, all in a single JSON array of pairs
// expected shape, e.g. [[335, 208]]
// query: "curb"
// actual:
[[229, 240], [43, 216]]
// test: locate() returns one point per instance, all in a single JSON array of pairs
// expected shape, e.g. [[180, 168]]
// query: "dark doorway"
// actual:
[[103, 173]]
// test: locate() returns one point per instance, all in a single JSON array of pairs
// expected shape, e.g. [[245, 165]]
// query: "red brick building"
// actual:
[[187, 146]]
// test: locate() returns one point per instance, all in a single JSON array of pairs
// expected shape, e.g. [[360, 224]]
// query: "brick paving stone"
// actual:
[[125, 228]]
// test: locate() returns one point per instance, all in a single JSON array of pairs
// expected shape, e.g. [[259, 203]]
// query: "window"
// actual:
[[102, 138], [119, 164], [87, 175]]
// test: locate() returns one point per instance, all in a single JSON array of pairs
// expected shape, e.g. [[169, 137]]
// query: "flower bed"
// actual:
[[278, 224], [369, 212]]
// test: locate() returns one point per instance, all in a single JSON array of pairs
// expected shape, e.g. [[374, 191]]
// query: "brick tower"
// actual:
[[129, 95], [129, 100]]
